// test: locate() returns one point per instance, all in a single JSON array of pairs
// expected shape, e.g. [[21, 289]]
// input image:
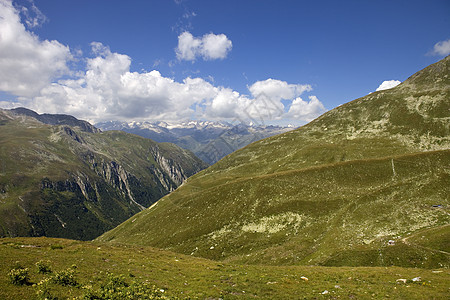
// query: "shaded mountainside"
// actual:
[[210, 141], [78, 182], [333, 192]]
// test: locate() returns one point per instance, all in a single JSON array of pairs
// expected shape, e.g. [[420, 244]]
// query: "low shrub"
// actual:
[[116, 287], [65, 277], [56, 246], [43, 267], [19, 276], [43, 291]]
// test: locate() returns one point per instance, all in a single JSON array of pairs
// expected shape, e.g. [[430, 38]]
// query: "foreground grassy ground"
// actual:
[[181, 276]]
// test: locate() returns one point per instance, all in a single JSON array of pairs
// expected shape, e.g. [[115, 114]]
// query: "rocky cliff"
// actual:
[[77, 182]]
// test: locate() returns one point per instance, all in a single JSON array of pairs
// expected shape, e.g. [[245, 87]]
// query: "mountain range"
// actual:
[[63, 177], [367, 183], [353, 205], [210, 141]]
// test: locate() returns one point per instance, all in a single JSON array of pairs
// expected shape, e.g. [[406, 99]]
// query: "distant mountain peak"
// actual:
[[209, 140], [56, 119]]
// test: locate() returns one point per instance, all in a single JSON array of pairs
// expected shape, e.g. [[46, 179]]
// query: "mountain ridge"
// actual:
[[56, 119], [210, 141]]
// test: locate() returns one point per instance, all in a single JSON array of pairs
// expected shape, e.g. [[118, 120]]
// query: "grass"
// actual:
[[292, 218], [187, 277]]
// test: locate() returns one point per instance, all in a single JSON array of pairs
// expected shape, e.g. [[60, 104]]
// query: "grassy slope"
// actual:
[[299, 220], [333, 191], [195, 278]]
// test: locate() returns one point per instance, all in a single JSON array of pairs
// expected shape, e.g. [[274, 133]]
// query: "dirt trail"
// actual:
[[407, 242]]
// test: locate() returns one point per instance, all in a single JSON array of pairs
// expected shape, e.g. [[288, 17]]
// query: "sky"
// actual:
[[263, 61]]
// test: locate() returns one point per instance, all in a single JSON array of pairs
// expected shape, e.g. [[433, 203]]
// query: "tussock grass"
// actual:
[[187, 277]]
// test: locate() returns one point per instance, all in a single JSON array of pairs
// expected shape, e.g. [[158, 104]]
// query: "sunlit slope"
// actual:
[[123, 272], [412, 117], [332, 192], [303, 216]]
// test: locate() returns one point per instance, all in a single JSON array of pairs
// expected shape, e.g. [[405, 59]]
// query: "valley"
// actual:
[[76, 181], [209, 141]]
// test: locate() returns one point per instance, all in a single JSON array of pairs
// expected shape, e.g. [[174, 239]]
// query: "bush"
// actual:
[[116, 287], [19, 276], [43, 267], [65, 277], [43, 291], [56, 246]]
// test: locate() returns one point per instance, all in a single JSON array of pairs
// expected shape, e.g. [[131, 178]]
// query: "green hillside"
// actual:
[[334, 192], [62, 181]]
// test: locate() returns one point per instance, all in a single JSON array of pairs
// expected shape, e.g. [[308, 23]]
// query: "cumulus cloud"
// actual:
[[304, 110], [211, 46], [27, 64], [215, 46], [265, 103], [388, 84], [441, 48], [106, 89], [188, 46], [277, 89]]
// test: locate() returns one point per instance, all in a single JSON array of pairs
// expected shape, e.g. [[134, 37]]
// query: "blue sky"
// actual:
[[274, 62]]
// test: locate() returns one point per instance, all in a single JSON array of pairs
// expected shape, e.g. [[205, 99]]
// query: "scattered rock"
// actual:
[[304, 278], [416, 279], [325, 292]]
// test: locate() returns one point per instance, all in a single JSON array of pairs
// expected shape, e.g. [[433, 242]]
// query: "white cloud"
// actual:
[[106, 89], [188, 46], [265, 104], [441, 48], [33, 17], [306, 111], [277, 89], [209, 47], [225, 104], [388, 84], [215, 46], [27, 64]]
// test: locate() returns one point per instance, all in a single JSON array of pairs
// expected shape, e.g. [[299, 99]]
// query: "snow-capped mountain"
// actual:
[[209, 140]]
